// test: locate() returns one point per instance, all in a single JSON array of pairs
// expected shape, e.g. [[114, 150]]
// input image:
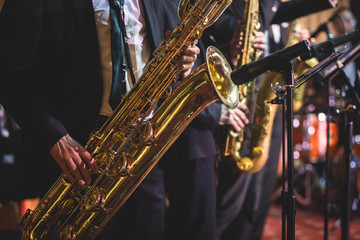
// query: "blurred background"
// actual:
[[309, 161]]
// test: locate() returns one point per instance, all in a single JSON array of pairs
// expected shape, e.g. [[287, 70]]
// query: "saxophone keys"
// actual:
[[205, 21], [167, 92], [234, 134], [66, 206], [257, 152], [68, 233], [245, 164], [93, 201], [102, 160], [257, 26], [143, 135], [119, 166], [244, 90]]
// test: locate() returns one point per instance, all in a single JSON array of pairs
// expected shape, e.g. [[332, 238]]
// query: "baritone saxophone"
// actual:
[[127, 146]]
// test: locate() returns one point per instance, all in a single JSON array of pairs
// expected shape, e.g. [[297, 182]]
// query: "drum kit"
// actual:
[[310, 137], [310, 149]]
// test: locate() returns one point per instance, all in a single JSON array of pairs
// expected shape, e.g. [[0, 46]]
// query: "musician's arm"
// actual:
[[288, 11]]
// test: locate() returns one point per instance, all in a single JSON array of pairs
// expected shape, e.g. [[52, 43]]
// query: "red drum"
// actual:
[[356, 151], [356, 146], [310, 137]]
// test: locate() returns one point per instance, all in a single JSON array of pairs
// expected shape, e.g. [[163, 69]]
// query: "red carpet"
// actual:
[[308, 226]]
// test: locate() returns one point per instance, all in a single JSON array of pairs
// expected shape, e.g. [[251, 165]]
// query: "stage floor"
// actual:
[[309, 225]]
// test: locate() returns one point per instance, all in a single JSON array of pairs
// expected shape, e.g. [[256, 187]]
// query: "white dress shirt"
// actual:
[[137, 39]]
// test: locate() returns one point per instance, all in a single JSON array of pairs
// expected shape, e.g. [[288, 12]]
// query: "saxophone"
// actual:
[[264, 112], [127, 146], [236, 150]]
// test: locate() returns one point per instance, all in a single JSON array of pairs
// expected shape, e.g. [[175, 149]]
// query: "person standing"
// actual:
[[60, 63], [243, 200], [191, 180]]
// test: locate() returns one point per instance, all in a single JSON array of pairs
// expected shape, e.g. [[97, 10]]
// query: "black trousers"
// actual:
[[244, 199], [191, 189], [235, 202], [142, 215]]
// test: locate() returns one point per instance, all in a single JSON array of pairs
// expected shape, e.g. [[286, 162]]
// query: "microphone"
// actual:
[[250, 71], [329, 45]]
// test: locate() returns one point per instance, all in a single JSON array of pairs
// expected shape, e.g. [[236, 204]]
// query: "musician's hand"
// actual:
[[334, 3], [260, 41], [303, 34], [236, 118], [188, 58], [73, 159]]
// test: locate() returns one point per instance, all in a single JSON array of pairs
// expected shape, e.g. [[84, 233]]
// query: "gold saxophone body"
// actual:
[[127, 146], [236, 149], [264, 112]]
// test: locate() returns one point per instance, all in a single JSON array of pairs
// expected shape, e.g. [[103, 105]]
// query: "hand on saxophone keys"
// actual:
[[73, 159], [258, 43], [235, 118], [188, 58]]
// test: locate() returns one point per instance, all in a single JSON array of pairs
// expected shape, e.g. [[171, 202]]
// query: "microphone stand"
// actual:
[[284, 193], [349, 127], [327, 158], [280, 99], [291, 199], [327, 164], [344, 217], [284, 96], [328, 51], [288, 198]]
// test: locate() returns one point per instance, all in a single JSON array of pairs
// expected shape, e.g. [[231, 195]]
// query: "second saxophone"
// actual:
[[238, 151]]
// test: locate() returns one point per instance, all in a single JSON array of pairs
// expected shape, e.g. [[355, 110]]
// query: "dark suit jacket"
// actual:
[[270, 11], [275, 11], [50, 66], [50, 69]]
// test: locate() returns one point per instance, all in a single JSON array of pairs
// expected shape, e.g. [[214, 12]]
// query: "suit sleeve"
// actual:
[[266, 13], [20, 27], [208, 119], [288, 11], [222, 31]]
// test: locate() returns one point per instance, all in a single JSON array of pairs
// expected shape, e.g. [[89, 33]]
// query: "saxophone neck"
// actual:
[[248, 29]]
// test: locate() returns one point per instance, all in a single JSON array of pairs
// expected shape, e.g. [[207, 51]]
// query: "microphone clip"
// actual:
[[280, 92]]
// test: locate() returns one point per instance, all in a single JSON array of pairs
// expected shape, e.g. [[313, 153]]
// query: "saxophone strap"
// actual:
[[126, 45], [120, 53]]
